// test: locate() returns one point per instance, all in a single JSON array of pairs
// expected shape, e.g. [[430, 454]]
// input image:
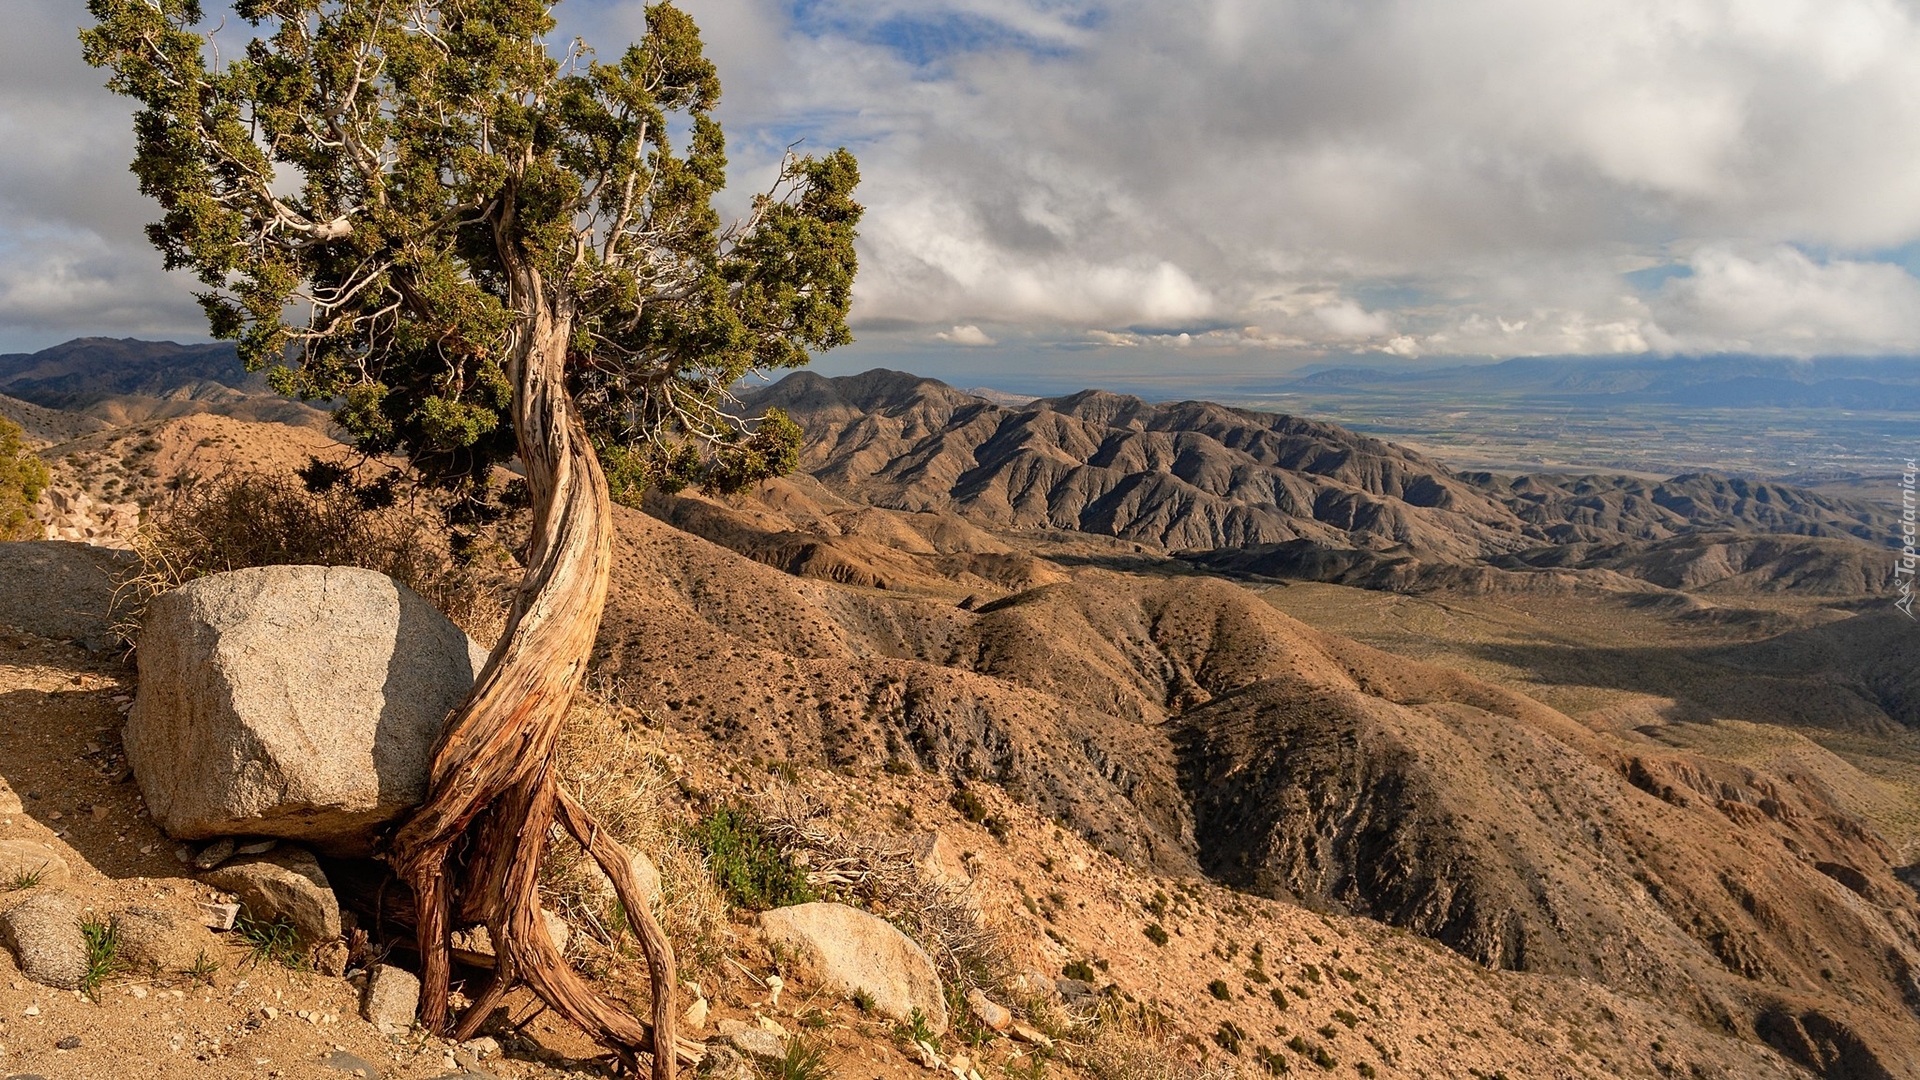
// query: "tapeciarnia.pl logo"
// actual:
[[1903, 570]]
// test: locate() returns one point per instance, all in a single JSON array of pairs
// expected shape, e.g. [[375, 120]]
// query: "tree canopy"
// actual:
[[363, 186]]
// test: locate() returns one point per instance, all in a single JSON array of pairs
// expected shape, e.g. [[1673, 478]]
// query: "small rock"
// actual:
[[851, 952], [256, 847], [214, 854], [1073, 989], [775, 984], [474, 945], [723, 1062], [929, 1058], [1027, 1033], [759, 1043], [9, 801], [153, 940], [392, 997], [220, 916], [341, 1061], [696, 1015], [24, 859], [987, 1011], [100, 811], [768, 1023], [644, 873], [330, 959], [484, 1047], [286, 884], [183, 853], [44, 934], [938, 859], [71, 1042]]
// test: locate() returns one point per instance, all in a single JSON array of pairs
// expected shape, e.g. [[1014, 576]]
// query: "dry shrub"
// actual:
[[607, 762], [1122, 1050], [882, 874], [240, 520]]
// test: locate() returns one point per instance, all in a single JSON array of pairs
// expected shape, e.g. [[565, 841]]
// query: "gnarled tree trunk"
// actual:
[[472, 851]]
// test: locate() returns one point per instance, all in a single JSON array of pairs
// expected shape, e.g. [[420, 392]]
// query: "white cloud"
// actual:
[[1779, 300], [1426, 176], [968, 335]]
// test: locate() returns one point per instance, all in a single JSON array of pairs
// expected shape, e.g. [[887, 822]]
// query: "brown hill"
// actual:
[[1259, 493], [43, 426], [128, 381], [1184, 725]]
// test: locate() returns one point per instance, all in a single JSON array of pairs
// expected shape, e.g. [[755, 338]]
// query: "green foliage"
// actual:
[[1279, 998], [103, 954], [1079, 969], [25, 879], [804, 1060], [203, 968], [1218, 988], [1273, 1061], [1347, 1017], [23, 477], [1155, 933], [1229, 1037], [440, 196], [748, 864], [972, 807], [273, 942], [918, 1029]]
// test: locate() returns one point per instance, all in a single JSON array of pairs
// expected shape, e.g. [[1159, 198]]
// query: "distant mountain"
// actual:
[[125, 381], [44, 426], [1261, 493], [1891, 383]]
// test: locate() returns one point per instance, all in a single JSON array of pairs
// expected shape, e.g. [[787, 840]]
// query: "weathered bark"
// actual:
[[474, 847]]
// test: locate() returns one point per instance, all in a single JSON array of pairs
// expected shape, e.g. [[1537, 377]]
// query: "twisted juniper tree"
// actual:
[[481, 248]]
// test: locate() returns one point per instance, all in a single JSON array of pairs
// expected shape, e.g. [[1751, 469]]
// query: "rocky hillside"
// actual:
[[1187, 727], [1299, 498], [130, 381]]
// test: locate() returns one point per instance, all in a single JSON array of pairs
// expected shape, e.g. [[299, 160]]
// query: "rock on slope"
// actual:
[[1184, 725]]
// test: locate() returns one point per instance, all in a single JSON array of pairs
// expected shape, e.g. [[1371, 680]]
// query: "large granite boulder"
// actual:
[[292, 701], [847, 951]]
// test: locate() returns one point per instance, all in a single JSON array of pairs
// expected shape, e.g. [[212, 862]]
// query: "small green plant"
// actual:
[[974, 809], [25, 879], [203, 968], [1322, 1058], [899, 767], [863, 1001], [1347, 1017], [803, 1061], [1081, 970], [1155, 933], [1218, 988], [1312, 973], [815, 1019], [273, 942], [1279, 998], [917, 1028], [1031, 1066], [1229, 1036], [103, 954], [1157, 907], [747, 863], [1273, 1061], [1366, 1070]]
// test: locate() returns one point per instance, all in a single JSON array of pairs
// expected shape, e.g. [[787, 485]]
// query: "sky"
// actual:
[[1221, 185]]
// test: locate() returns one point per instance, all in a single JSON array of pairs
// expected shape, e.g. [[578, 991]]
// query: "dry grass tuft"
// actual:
[[623, 779], [883, 875], [252, 519], [1137, 1044]]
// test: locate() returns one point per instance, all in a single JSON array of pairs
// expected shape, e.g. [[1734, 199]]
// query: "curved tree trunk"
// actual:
[[473, 849]]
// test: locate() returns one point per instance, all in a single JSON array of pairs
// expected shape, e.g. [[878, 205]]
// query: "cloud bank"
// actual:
[[1286, 177]]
